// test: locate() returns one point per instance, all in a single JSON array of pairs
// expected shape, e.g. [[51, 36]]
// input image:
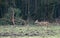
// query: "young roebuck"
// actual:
[[42, 23]]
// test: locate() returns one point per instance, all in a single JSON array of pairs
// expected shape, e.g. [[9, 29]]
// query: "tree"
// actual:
[[12, 15]]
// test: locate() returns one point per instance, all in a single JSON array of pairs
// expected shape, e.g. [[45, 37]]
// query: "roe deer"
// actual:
[[42, 23]]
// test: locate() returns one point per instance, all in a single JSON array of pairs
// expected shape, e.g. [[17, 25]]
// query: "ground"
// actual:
[[52, 31]]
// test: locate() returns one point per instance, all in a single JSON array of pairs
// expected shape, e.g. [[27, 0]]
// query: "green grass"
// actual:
[[32, 37], [28, 29]]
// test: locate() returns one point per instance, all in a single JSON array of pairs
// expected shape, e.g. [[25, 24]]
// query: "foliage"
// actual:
[[7, 17], [33, 9]]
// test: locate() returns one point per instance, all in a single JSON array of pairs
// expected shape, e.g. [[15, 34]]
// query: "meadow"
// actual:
[[32, 31]]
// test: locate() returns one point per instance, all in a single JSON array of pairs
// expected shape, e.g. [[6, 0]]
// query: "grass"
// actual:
[[32, 37], [53, 31]]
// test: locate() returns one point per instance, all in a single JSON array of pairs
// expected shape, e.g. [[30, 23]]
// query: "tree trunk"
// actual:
[[12, 17], [28, 4], [35, 6]]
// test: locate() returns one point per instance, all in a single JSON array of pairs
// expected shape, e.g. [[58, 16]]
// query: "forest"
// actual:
[[31, 10], [29, 18]]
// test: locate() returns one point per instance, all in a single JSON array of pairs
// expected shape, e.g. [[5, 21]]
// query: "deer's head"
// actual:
[[36, 21]]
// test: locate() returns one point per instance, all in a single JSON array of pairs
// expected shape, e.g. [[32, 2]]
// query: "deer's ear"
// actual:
[[37, 20]]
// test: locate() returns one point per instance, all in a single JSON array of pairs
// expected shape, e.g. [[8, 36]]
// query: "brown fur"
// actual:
[[44, 23]]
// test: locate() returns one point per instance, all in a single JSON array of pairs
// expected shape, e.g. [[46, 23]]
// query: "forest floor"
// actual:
[[52, 31]]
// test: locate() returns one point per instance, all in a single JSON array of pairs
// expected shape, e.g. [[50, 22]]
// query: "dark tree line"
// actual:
[[31, 9]]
